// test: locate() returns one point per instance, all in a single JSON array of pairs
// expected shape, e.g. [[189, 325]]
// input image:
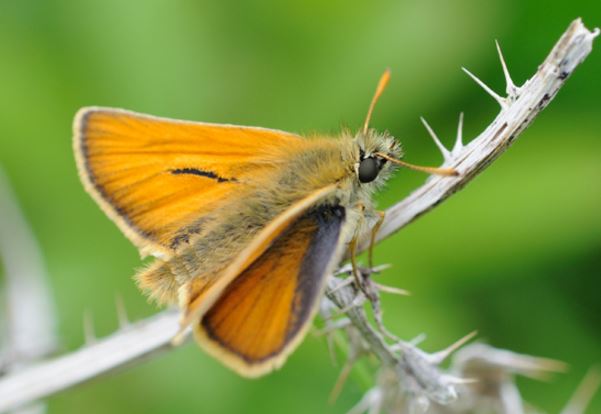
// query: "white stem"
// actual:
[[585, 393], [29, 318], [139, 341]]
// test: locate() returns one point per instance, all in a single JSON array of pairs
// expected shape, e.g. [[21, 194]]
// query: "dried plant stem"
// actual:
[[408, 364], [344, 298], [131, 344], [29, 317]]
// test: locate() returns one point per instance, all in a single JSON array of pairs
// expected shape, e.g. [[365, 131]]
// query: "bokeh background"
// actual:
[[516, 255]]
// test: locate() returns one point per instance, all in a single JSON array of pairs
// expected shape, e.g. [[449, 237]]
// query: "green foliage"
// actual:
[[516, 255]]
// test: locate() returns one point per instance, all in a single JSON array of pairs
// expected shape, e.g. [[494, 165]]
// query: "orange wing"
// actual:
[[154, 176], [263, 314]]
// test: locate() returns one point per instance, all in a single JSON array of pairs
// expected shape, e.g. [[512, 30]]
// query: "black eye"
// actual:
[[368, 170]]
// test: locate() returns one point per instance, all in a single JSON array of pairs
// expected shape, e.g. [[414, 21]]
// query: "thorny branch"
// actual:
[[409, 379]]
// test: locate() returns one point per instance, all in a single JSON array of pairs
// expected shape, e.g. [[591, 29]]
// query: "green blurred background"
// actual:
[[516, 255]]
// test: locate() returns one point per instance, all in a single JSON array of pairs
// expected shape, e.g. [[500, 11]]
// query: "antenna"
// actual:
[[448, 172], [381, 86]]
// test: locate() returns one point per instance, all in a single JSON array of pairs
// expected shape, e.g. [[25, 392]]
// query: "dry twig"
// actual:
[[29, 317]]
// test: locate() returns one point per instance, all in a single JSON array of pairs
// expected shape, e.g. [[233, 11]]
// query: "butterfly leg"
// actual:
[[362, 278], [364, 284], [355, 268], [367, 286], [372, 240], [370, 288], [353, 252]]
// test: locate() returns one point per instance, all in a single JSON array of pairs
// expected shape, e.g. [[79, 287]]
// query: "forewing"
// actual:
[[155, 176], [263, 314]]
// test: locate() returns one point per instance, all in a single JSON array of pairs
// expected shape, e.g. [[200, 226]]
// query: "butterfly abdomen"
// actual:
[[159, 282]]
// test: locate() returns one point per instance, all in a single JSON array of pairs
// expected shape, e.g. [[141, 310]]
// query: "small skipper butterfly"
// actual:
[[245, 223]]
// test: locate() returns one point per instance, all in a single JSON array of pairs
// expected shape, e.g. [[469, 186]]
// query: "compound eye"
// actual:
[[368, 170]]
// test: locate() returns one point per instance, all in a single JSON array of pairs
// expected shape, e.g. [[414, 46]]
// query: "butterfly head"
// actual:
[[378, 153], [373, 152]]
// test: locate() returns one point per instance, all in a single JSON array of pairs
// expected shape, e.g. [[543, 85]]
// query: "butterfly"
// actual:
[[245, 223]]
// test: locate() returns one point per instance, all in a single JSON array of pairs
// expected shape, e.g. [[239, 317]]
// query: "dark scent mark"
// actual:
[[202, 173]]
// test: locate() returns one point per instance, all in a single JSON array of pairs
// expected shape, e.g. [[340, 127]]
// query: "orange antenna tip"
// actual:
[[384, 79]]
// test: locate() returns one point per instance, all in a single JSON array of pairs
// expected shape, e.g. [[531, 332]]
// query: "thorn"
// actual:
[[451, 379], [381, 268], [121, 312], [510, 362], [412, 343], [501, 101], [445, 152], [331, 349], [346, 282], [372, 399], [459, 140], [390, 335], [333, 326], [393, 290], [418, 339], [387, 333], [357, 302], [535, 367], [584, 393], [88, 328], [511, 89], [378, 318], [347, 269], [344, 270], [342, 377], [438, 357]]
